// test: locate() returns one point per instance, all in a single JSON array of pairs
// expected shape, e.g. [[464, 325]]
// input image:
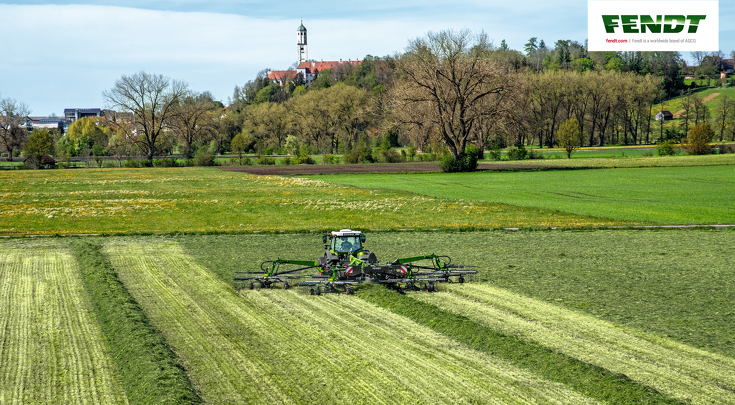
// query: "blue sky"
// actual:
[[61, 54]]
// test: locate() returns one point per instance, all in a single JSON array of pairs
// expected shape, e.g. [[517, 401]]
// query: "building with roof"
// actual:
[[664, 115], [50, 124], [308, 68], [73, 114]]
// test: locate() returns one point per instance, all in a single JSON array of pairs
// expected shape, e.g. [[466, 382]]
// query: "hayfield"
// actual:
[[285, 347], [207, 200], [52, 350], [677, 195]]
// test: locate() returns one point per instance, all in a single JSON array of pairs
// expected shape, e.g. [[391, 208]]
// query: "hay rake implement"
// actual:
[[346, 264]]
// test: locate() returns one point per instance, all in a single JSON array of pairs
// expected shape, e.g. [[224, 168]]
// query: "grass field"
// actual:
[[278, 346], [52, 350], [694, 195], [202, 200]]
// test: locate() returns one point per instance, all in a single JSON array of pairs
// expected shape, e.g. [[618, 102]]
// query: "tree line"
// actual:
[[448, 91]]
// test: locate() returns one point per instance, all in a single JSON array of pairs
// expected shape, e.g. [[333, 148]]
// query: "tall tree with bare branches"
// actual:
[[152, 100], [452, 72], [12, 115]]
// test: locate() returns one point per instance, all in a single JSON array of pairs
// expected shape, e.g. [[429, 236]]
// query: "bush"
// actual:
[[534, 154], [204, 157], [305, 160], [391, 156], [495, 151], [266, 161], [247, 161], [463, 163], [699, 139], [359, 153], [328, 159], [287, 161], [647, 153], [517, 153], [666, 148], [165, 163], [132, 163]]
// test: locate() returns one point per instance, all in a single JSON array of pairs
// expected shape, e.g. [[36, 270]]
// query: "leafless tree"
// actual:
[[152, 100], [12, 116], [450, 71], [194, 118]]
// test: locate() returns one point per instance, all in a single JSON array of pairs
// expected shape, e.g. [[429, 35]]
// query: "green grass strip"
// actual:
[[589, 380], [149, 369]]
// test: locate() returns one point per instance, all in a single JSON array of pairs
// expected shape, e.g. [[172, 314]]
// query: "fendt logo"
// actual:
[[635, 24], [679, 26]]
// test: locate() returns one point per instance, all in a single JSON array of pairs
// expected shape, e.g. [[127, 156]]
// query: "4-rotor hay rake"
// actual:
[[346, 263]]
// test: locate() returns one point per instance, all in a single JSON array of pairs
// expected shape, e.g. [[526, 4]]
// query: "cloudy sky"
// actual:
[[63, 54]]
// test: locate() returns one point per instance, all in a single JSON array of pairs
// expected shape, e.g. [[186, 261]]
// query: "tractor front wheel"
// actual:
[[461, 279], [286, 286], [251, 285], [311, 291]]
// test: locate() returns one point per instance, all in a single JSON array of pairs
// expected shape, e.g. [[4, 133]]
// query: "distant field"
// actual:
[[694, 195], [201, 200], [52, 350]]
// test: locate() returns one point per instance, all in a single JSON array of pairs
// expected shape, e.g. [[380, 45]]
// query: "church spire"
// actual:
[[301, 43]]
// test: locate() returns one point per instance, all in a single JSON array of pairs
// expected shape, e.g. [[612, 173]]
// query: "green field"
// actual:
[[694, 195], [206, 200]]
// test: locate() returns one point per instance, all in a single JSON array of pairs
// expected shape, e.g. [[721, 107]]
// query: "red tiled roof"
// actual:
[[311, 66], [281, 74]]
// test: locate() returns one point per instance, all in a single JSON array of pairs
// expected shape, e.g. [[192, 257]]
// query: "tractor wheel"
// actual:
[[461, 279], [311, 291], [318, 291], [286, 286], [350, 291], [251, 285], [430, 287]]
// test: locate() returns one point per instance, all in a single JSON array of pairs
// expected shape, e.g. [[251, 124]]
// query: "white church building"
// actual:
[[308, 68]]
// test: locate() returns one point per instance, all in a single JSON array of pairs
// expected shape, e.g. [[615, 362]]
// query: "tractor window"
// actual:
[[347, 243]]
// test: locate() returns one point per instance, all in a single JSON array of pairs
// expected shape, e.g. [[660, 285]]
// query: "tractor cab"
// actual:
[[345, 241], [346, 247]]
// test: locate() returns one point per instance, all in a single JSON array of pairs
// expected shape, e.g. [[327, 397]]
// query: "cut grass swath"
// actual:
[[283, 347], [51, 348], [148, 369], [675, 369]]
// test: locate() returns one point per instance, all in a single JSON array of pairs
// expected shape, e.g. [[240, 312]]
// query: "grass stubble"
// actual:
[[285, 347], [51, 347]]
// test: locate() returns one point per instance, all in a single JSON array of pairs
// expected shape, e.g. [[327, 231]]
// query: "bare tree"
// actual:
[[12, 115], [193, 119], [452, 73], [152, 100]]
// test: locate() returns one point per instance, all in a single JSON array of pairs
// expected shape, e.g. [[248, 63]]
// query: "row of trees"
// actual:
[[448, 90]]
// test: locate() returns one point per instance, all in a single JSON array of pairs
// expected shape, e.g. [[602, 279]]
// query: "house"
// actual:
[[49, 124], [728, 66], [309, 69], [665, 115]]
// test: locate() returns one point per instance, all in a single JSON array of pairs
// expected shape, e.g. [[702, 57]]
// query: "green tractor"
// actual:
[[346, 263]]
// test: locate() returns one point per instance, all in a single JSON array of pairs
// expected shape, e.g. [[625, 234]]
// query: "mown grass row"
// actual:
[[52, 350], [285, 347], [592, 381], [677, 370], [149, 369]]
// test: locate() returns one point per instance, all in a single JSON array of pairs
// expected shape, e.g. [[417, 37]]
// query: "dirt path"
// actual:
[[375, 168], [704, 100]]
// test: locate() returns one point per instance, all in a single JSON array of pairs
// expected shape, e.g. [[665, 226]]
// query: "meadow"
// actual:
[[674, 195], [209, 200]]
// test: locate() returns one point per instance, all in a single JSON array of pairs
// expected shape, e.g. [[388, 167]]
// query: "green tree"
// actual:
[[239, 144], [86, 132], [39, 143], [699, 138], [569, 136]]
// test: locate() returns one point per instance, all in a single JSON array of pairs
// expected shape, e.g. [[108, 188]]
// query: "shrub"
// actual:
[[204, 157], [287, 161], [266, 161], [666, 148], [412, 153], [132, 163], [699, 139], [391, 156], [535, 154], [495, 151], [247, 161], [305, 160], [359, 153], [517, 153], [165, 163], [648, 153], [463, 163], [474, 150], [328, 159]]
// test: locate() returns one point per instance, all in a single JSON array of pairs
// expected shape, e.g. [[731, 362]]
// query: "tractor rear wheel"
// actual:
[[318, 291], [251, 285], [286, 286], [461, 279], [311, 291]]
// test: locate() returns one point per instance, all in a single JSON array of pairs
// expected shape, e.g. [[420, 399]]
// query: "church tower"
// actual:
[[301, 43]]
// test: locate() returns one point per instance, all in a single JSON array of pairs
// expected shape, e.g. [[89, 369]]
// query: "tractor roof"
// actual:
[[345, 232]]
